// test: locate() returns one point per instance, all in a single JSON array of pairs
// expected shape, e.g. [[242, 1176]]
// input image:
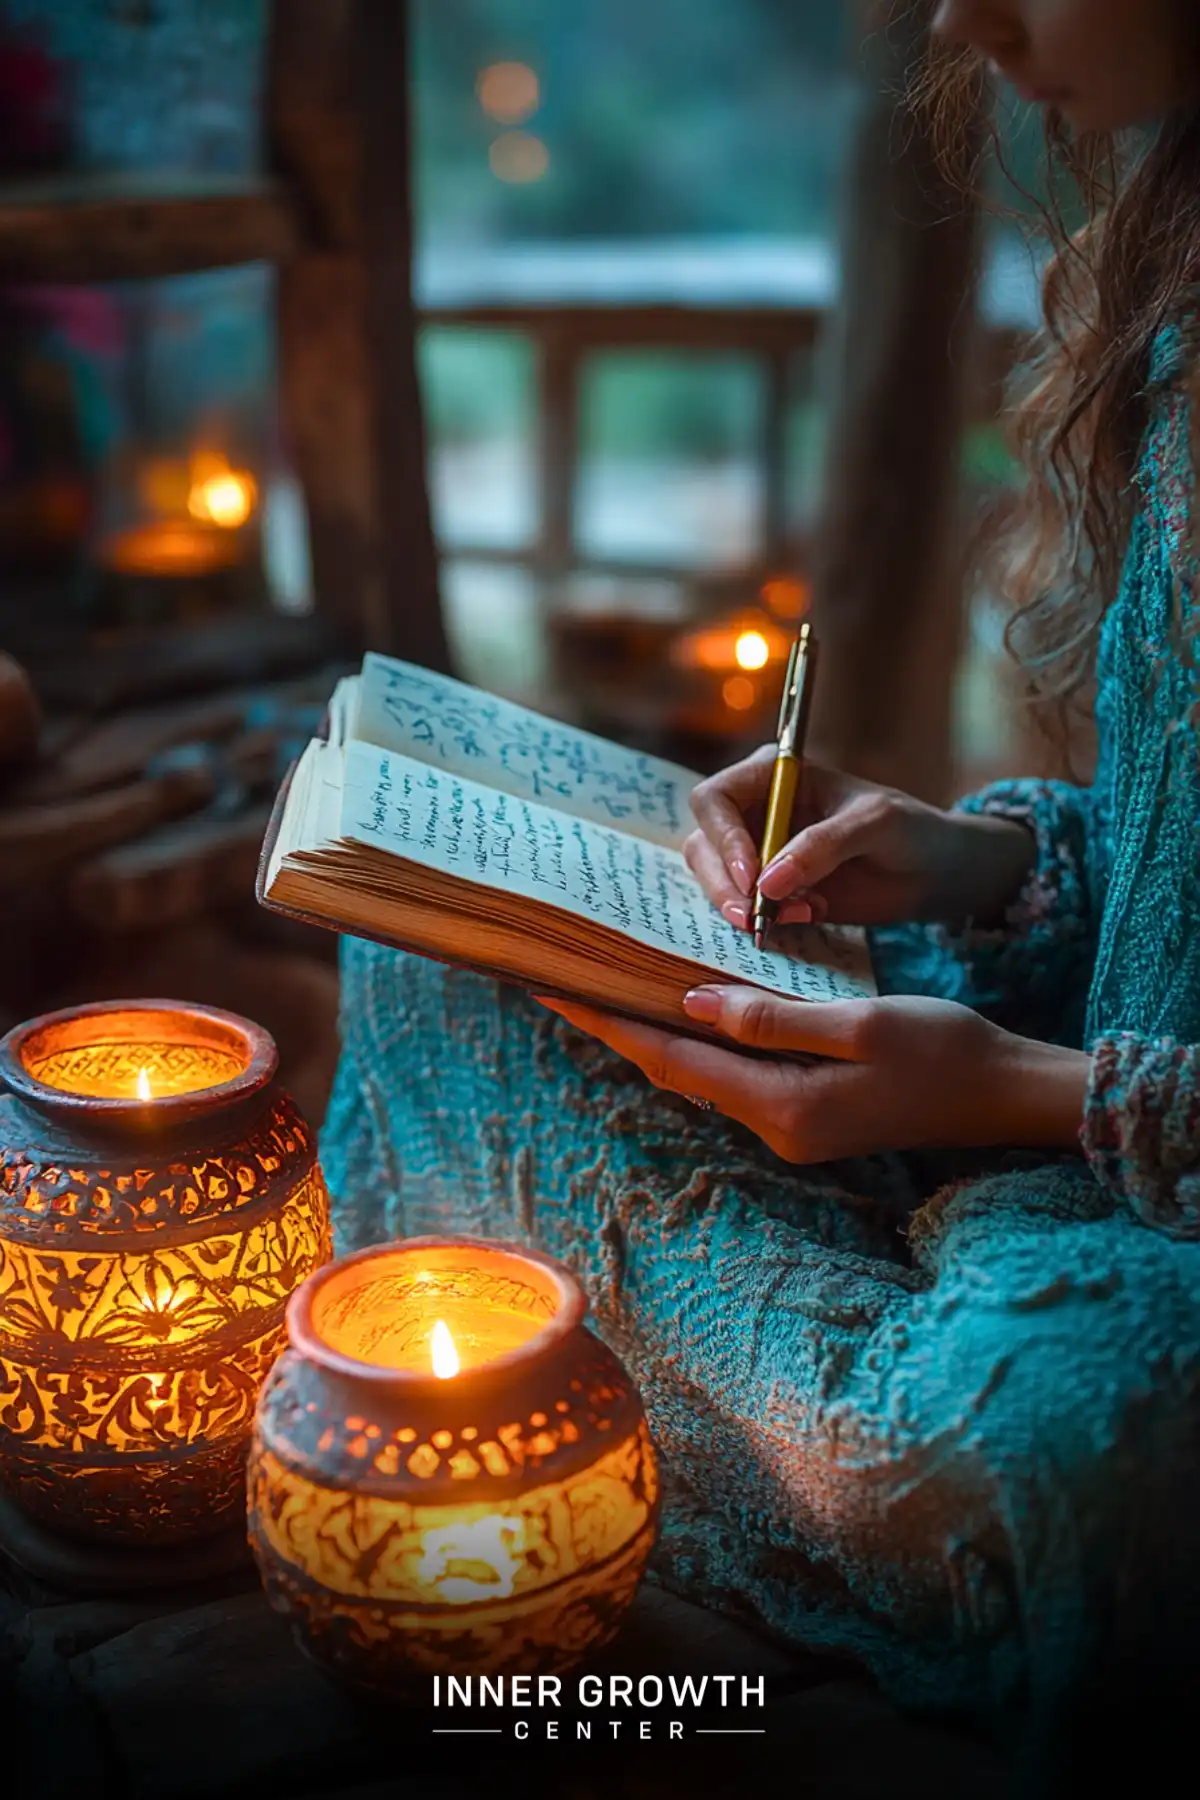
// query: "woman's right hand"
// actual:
[[859, 854]]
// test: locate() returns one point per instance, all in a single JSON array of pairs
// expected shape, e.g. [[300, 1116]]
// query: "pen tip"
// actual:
[[760, 937]]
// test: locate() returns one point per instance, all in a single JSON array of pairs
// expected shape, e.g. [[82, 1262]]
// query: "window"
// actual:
[[610, 198]]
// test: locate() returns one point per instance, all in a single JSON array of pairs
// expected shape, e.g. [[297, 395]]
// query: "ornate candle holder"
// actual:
[[449, 1472], [160, 1199]]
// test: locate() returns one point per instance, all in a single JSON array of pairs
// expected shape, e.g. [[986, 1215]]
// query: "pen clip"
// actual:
[[787, 703], [794, 692]]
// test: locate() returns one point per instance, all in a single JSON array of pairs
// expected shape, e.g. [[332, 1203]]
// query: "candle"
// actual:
[[225, 496], [732, 670], [747, 643], [170, 548], [448, 1469], [160, 1199]]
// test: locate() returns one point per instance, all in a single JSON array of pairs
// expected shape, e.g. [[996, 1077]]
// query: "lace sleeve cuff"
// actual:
[[1032, 969], [1141, 1128]]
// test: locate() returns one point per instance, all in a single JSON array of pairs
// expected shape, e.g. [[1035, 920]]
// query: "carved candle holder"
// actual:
[[160, 1199], [449, 1472]]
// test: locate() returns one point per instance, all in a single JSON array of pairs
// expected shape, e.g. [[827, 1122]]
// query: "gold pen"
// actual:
[[793, 723]]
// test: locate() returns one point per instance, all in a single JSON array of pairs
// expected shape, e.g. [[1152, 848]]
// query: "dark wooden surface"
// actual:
[[201, 1693], [118, 228]]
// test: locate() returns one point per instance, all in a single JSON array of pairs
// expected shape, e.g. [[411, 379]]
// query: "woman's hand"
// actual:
[[903, 1073], [860, 854]]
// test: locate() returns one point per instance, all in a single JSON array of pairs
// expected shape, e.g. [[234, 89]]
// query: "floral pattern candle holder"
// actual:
[[449, 1471], [160, 1199]]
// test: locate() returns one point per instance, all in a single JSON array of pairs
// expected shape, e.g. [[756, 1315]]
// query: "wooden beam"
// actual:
[[886, 567], [338, 110], [116, 228], [409, 612], [764, 331], [635, 326], [180, 871], [558, 451], [37, 841], [92, 674], [773, 457]]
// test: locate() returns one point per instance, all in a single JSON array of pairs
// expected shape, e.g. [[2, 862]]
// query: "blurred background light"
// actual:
[[751, 650], [508, 92], [518, 156]]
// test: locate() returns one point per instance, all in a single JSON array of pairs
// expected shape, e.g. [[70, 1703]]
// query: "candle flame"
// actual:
[[220, 495], [143, 1084], [445, 1356], [751, 650]]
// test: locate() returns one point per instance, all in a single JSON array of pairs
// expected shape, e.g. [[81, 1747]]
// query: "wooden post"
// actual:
[[777, 368], [887, 560], [558, 450], [338, 120]]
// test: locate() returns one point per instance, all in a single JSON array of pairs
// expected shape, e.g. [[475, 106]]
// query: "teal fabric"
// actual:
[[939, 1418]]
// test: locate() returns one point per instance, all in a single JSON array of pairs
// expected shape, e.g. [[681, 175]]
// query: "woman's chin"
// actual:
[[1095, 119]]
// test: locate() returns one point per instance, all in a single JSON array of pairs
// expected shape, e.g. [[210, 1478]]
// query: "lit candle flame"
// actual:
[[143, 1084], [445, 1356], [220, 495], [751, 650]]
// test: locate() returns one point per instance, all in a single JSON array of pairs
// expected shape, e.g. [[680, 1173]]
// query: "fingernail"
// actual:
[[778, 878], [703, 1004], [743, 874], [737, 912]]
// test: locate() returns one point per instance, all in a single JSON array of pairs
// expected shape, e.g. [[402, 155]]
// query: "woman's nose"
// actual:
[[987, 25]]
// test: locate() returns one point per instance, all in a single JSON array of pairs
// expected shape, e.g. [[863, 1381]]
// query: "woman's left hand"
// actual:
[[902, 1073]]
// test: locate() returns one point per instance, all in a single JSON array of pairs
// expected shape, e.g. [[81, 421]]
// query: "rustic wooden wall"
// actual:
[[887, 561]]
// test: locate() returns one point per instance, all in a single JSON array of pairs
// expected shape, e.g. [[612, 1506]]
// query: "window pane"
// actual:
[[670, 472], [493, 619], [614, 118], [479, 400]]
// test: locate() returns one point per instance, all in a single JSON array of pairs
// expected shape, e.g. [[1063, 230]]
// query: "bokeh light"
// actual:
[[786, 597], [225, 498], [751, 650], [518, 156], [508, 92], [739, 693]]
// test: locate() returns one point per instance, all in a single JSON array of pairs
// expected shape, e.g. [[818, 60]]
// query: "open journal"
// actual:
[[444, 820]]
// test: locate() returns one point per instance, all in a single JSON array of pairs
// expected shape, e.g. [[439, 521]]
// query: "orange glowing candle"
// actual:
[[170, 548], [160, 1198], [449, 1471]]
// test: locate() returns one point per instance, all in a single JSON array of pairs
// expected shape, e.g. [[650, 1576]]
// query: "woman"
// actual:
[[949, 1427]]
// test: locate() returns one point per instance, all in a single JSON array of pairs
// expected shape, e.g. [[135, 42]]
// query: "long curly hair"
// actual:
[[1078, 408]]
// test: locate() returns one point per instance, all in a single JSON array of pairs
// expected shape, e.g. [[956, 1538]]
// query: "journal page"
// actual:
[[447, 822], [467, 732]]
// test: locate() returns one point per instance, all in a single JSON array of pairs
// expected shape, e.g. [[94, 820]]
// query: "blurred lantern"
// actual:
[[747, 642]]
